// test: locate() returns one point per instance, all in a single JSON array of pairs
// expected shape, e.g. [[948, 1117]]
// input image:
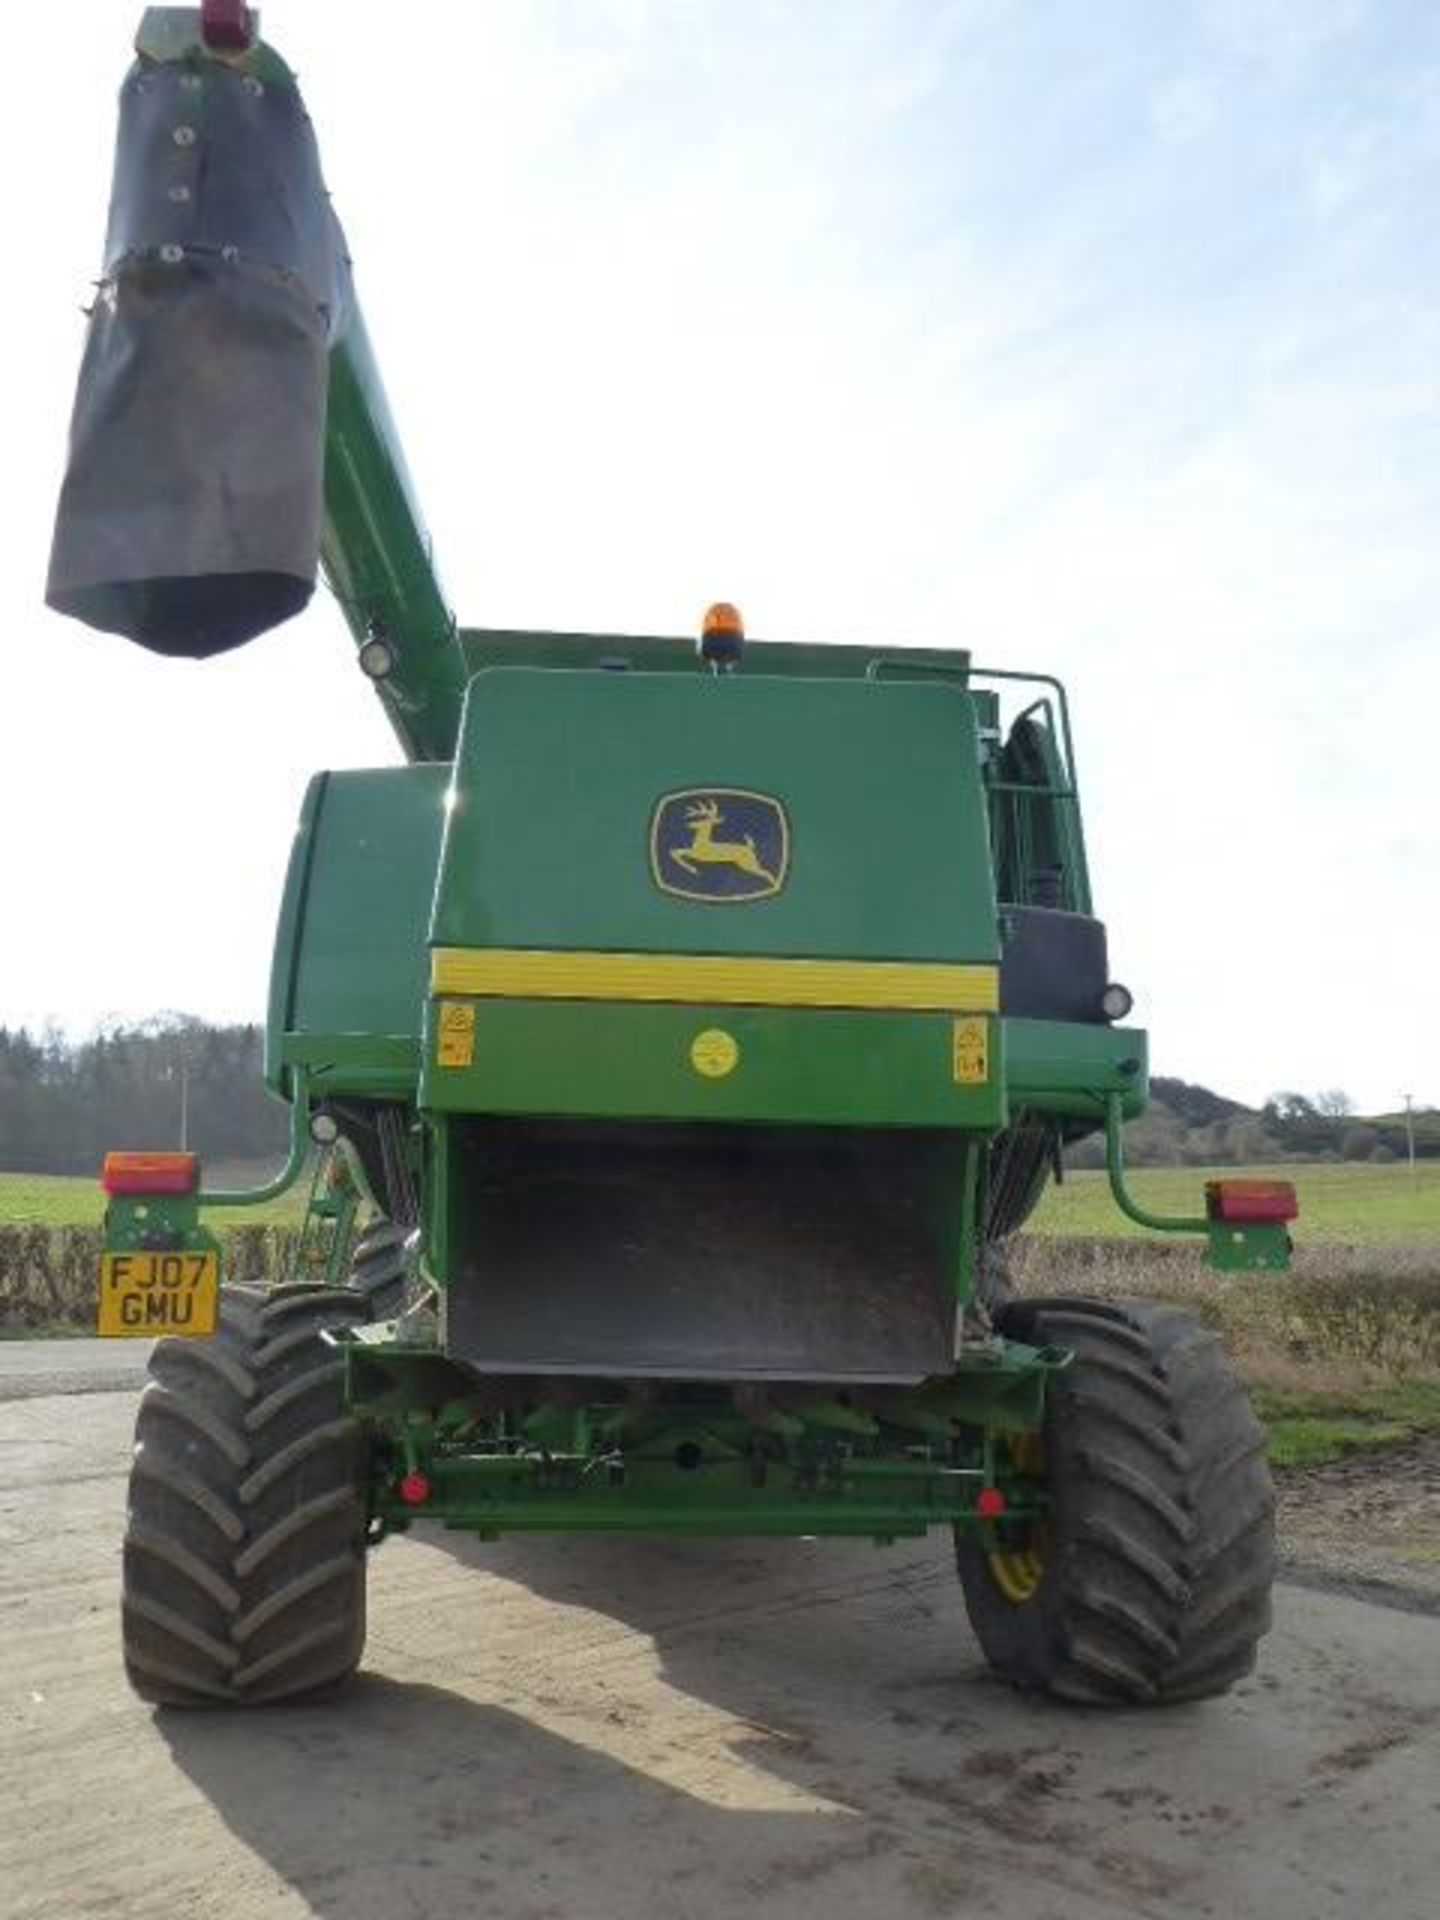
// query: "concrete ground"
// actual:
[[581, 1729]]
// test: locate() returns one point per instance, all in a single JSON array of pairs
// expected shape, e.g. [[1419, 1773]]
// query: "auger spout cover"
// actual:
[[230, 434]]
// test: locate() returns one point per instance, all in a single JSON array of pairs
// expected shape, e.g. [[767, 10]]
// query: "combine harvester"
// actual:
[[695, 1023]]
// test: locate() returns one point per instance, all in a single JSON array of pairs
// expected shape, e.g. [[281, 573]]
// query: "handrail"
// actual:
[[875, 668], [966, 671], [1071, 828], [1039, 680], [1128, 1205], [300, 1147]]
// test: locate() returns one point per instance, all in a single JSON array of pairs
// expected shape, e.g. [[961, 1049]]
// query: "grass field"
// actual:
[[58, 1200], [1310, 1429], [1354, 1203]]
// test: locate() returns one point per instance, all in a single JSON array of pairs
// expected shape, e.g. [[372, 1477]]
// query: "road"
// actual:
[[30, 1369], [584, 1730]]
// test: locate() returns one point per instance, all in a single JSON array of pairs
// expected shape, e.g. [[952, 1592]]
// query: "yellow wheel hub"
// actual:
[[1017, 1571]]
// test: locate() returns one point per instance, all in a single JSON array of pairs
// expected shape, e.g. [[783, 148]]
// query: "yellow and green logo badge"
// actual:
[[722, 845]]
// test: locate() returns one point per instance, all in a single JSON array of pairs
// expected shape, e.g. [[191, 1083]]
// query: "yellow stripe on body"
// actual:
[[702, 979]]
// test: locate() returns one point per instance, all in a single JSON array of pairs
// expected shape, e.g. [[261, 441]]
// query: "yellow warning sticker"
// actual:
[[455, 1034], [972, 1051], [714, 1053]]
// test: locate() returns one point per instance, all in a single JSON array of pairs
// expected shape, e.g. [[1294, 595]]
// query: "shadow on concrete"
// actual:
[[403, 1800], [747, 1624], [865, 1758]]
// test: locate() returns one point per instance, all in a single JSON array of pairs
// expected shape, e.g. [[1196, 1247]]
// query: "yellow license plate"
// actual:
[[145, 1294]]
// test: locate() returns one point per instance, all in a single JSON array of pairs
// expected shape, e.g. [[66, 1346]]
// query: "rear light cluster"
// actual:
[[1251, 1203], [132, 1173]]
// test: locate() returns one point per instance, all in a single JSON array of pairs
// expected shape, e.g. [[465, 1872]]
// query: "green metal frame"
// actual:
[[377, 556], [320, 1253], [1124, 1199], [775, 1460], [301, 1147]]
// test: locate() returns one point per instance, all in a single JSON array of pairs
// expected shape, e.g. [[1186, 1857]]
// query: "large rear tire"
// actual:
[[244, 1562], [1149, 1582], [377, 1268]]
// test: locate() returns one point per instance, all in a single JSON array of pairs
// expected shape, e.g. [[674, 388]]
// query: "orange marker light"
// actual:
[[723, 618], [722, 638], [150, 1173]]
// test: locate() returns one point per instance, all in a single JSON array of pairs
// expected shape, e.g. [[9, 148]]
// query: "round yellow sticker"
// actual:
[[714, 1053]]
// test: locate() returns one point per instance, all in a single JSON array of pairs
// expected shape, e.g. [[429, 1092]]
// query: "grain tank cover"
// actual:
[[654, 813]]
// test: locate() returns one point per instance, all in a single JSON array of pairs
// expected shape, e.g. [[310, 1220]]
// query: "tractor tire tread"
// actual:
[[378, 1269], [149, 1465], [1156, 1582], [261, 1412], [159, 1401], [244, 1561]]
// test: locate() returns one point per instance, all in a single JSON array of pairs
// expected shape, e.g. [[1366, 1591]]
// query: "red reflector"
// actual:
[[150, 1173], [415, 1489], [990, 1503], [1251, 1202], [226, 23]]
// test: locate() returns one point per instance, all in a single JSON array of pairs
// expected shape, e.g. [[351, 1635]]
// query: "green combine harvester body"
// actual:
[[693, 1025]]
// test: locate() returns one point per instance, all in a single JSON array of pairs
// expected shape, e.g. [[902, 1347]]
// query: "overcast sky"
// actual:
[[1094, 335]]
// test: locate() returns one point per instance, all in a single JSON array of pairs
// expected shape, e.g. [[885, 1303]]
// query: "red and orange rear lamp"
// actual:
[[150, 1173], [1251, 1203]]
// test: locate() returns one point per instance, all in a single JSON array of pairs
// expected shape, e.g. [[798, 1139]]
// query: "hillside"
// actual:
[[1189, 1125]]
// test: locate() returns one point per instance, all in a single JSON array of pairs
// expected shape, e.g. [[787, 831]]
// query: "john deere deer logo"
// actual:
[[719, 844]]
